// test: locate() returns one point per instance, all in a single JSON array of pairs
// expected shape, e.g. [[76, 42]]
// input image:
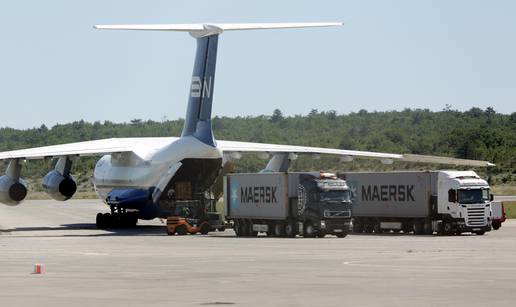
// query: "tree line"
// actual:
[[473, 134]]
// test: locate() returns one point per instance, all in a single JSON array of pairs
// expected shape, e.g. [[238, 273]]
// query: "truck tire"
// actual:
[[358, 226], [480, 233], [309, 230], [321, 234], [341, 234], [290, 230], [250, 231], [427, 228], [418, 227], [279, 229], [244, 228], [368, 226], [496, 225], [407, 227], [377, 227], [237, 227], [448, 229]]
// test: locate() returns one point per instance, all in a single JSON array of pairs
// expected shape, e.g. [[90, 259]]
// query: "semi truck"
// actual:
[[423, 202], [285, 204]]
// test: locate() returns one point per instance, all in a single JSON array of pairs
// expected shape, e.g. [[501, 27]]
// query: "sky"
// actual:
[[389, 55]]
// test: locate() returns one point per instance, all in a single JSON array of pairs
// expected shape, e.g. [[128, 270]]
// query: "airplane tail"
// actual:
[[198, 113]]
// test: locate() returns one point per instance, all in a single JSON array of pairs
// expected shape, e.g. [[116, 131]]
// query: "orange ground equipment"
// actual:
[[183, 226]]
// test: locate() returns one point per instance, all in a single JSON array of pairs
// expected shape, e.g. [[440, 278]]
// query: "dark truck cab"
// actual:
[[288, 204]]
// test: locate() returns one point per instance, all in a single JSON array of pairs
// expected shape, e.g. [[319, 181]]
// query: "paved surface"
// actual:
[[90, 267]]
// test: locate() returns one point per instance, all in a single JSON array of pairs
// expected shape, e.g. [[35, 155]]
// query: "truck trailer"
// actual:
[[288, 204], [423, 202]]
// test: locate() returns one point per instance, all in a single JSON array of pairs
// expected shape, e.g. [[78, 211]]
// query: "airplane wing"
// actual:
[[388, 158], [90, 148], [231, 146], [142, 146]]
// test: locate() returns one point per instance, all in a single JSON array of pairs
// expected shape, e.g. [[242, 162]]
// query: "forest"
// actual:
[[473, 134]]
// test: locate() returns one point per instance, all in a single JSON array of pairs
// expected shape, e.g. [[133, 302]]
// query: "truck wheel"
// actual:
[[321, 234], [368, 226], [427, 228], [290, 230], [279, 230], [236, 228], [407, 227], [358, 227], [448, 229], [418, 227], [377, 227], [309, 231], [244, 228], [181, 230], [341, 234], [480, 233], [496, 225]]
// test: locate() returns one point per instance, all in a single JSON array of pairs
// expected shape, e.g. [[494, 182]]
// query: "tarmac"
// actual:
[[143, 266]]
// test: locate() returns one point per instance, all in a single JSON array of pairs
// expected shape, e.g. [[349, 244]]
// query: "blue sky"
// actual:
[[55, 68]]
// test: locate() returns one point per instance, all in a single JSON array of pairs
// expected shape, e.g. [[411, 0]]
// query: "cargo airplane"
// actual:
[[142, 178]]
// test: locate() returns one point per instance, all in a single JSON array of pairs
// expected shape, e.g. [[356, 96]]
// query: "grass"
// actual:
[[510, 209], [503, 190]]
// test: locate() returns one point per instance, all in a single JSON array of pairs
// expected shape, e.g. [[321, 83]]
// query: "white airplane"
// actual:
[[143, 178]]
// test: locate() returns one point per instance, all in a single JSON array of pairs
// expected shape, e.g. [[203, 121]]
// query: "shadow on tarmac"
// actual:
[[144, 230]]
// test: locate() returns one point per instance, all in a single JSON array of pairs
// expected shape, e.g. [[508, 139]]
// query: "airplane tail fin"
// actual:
[[198, 114]]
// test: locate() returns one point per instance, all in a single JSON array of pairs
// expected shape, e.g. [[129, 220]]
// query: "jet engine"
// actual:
[[12, 192], [59, 187]]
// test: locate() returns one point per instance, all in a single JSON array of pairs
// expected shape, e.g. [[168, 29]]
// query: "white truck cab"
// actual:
[[465, 197]]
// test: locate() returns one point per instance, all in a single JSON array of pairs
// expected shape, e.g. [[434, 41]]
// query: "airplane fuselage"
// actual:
[[186, 160]]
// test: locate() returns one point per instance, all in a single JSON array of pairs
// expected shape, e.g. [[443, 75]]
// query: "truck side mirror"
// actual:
[[491, 197], [452, 196]]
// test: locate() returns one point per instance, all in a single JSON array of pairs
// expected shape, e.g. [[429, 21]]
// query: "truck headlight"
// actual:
[[323, 224]]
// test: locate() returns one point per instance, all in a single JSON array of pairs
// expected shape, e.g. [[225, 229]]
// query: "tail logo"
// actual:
[[201, 87]]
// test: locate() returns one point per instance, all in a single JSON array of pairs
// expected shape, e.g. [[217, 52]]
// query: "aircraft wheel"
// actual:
[[99, 221]]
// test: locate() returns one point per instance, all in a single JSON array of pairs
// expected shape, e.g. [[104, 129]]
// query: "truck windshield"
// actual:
[[473, 196], [336, 196]]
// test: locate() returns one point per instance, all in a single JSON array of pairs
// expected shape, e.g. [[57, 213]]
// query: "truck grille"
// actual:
[[476, 216], [337, 214]]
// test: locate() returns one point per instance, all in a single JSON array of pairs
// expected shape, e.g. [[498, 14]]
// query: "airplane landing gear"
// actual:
[[119, 219]]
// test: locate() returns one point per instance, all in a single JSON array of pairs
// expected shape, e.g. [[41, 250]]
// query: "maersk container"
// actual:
[[446, 202], [286, 204]]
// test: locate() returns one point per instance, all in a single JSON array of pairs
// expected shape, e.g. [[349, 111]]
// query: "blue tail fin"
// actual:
[[198, 113]]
